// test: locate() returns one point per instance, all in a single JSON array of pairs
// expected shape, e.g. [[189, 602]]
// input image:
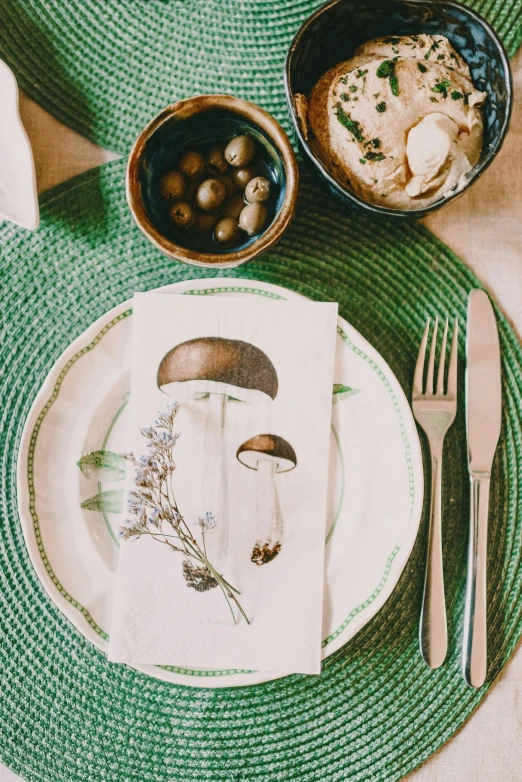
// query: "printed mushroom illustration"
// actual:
[[269, 454], [218, 370]]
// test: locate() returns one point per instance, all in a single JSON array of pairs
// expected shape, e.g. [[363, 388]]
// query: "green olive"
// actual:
[[229, 184], [233, 207], [215, 160], [172, 186], [182, 214], [227, 231], [205, 222], [240, 151], [192, 164], [192, 189], [242, 176], [211, 194], [258, 190], [253, 219]]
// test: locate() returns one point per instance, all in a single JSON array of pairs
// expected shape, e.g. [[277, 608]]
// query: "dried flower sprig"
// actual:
[[153, 510]]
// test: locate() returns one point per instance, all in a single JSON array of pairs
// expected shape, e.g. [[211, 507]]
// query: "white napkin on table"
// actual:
[[230, 427]]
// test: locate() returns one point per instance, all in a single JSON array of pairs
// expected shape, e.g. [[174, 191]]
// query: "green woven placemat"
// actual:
[[106, 67], [376, 711]]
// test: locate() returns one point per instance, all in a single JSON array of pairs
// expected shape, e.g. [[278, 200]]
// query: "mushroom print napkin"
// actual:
[[222, 550]]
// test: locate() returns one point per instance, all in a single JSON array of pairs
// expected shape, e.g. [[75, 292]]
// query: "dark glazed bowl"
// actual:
[[332, 34], [196, 123]]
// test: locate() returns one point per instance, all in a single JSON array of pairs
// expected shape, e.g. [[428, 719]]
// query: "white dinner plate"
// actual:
[[375, 483]]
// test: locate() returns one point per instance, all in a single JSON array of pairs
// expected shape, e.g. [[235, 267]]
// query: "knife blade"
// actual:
[[483, 424]]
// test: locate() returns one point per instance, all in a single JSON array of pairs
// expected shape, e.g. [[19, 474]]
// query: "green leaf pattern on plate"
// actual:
[[110, 501], [103, 466], [341, 392]]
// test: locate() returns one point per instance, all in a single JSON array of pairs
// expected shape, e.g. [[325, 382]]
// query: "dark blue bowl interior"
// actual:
[[172, 139], [339, 28]]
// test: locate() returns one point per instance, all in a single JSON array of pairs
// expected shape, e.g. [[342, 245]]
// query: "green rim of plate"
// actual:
[[106, 67], [376, 711]]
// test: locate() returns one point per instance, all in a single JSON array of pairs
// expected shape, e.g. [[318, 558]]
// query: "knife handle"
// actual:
[[474, 649], [433, 628]]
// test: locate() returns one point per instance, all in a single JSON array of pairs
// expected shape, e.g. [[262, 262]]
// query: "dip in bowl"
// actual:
[[333, 34]]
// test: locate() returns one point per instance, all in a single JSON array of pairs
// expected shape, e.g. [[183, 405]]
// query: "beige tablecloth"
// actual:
[[484, 227]]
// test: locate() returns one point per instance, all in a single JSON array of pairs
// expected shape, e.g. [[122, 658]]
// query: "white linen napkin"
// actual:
[[222, 554]]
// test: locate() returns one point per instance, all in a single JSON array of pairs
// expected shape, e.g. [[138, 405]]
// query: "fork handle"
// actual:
[[433, 628], [474, 648]]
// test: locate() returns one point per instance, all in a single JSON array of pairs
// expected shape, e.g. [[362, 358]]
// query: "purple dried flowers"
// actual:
[[153, 510]]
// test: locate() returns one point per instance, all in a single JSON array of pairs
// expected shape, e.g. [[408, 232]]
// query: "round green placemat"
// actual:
[[106, 67], [376, 711]]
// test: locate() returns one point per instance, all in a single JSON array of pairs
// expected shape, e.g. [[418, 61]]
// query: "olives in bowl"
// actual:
[[237, 213], [212, 181]]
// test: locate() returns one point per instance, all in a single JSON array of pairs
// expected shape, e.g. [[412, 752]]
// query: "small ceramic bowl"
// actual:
[[332, 33], [196, 123]]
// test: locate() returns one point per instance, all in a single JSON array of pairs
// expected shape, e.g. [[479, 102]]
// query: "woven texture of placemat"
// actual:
[[106, 67], [376, 711]]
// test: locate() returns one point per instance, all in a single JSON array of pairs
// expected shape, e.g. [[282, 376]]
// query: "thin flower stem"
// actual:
[[228, 603], [236, 601], [219, 577]]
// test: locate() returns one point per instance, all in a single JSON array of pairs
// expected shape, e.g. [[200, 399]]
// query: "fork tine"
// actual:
[[419, 367], [440, 374], [452, 372], [431, 363]]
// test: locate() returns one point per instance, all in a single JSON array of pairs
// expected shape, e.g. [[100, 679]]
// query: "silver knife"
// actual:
[[483, 420]]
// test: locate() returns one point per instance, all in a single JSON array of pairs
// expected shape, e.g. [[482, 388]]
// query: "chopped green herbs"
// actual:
[[362, 160], [442, 87], [343, 80], [440, 57], [434, 100], [466, 98], [352, 88], [422, 68], [386, 70], [374, 156], [456, 95], [381, 107], [395, 50], [393, 41], [352, 125], [434, 45], [344, 96], [360, 73]]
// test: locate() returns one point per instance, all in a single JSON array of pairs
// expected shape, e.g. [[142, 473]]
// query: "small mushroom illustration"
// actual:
[[218, 370], [269, 454]]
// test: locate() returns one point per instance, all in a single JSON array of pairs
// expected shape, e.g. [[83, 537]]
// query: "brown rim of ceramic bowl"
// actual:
[[185, 109]]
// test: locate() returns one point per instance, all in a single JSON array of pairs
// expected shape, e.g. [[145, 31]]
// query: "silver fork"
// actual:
[[435, 411]]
